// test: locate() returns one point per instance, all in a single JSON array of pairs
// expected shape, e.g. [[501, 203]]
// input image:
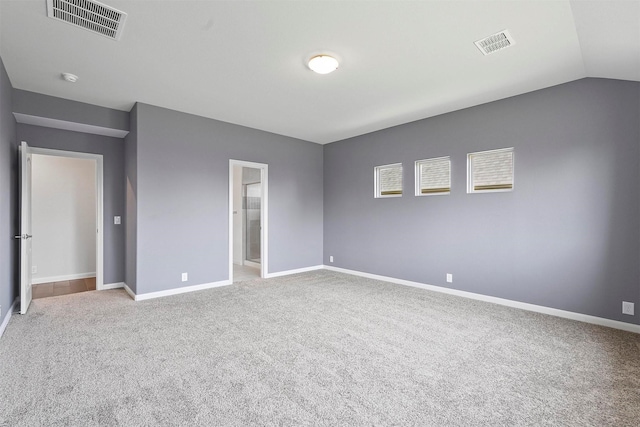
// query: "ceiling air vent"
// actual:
[[495, 42], [90, 15]]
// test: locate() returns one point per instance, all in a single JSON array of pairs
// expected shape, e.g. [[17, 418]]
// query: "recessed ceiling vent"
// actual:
[[90, 15], [495, 42]]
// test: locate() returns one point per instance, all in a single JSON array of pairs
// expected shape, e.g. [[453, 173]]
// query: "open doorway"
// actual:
[[66, 222], [248, 204], [63, 215]]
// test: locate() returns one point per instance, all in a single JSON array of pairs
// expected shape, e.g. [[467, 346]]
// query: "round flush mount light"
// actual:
[[71, 78], [323, 64]]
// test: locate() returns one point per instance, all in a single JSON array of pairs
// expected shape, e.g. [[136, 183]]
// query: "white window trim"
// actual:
[[470, 188], [418, 190], [376, 180]]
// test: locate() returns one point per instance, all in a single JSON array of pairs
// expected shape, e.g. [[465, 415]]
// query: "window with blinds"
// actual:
[[433, 176], [388, 180], [491, 171]]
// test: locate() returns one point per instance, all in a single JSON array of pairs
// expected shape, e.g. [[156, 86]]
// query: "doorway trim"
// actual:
[[99, 202], [264, 215]]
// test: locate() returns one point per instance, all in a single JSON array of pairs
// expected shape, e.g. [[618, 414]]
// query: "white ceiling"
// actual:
[[244, 62]]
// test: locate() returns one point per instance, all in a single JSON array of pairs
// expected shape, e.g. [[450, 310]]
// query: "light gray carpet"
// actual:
[[312, 349]]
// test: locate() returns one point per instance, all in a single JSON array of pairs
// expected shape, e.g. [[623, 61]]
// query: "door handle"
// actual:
[[23, 236]]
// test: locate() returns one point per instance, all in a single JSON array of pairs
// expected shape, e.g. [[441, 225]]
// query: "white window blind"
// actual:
[[433, 176], [389, 180], [491, 170]]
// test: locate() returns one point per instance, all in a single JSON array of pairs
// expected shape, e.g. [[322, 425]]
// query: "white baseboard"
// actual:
[[5, 322], [630, 327], [117, 285], [130, 292], [252, 264], [40, 280], [296, 271], [176, 291]]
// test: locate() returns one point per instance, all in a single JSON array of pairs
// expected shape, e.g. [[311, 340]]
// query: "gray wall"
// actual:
[[131, 182], [567, 237], [112, 150], [9, 198], [182, 197]]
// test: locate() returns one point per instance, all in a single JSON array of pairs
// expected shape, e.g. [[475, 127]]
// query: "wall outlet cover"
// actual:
[[185, 277], [628, 308], [34, 269], [116, 220], [449, 278], [331, 258]]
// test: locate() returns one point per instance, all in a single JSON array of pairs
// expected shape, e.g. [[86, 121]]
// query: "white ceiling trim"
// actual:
[[28, 119]]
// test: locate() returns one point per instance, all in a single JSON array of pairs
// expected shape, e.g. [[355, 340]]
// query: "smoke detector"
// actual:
[[495, 42], [90, 15], [71, 78]]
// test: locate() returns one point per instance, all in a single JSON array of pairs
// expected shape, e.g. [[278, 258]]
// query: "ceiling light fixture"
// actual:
[[323, 64], [71, 78]]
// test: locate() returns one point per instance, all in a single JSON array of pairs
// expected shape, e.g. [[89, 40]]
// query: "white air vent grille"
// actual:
[[495, 42], [90, 15]]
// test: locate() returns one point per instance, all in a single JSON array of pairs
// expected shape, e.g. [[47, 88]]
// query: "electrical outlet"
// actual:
[[449, 278], [34, 269], [185, 277], [116, 220], [330, 258], [627, 308]]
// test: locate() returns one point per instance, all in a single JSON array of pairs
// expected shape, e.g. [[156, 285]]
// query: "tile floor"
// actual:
[[244, 272], [54, 289]]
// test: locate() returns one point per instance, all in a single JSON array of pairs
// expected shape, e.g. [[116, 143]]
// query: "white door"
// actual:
[[25, 228]]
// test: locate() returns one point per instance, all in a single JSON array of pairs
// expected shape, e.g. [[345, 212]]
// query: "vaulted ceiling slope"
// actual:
[[244, 62]]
